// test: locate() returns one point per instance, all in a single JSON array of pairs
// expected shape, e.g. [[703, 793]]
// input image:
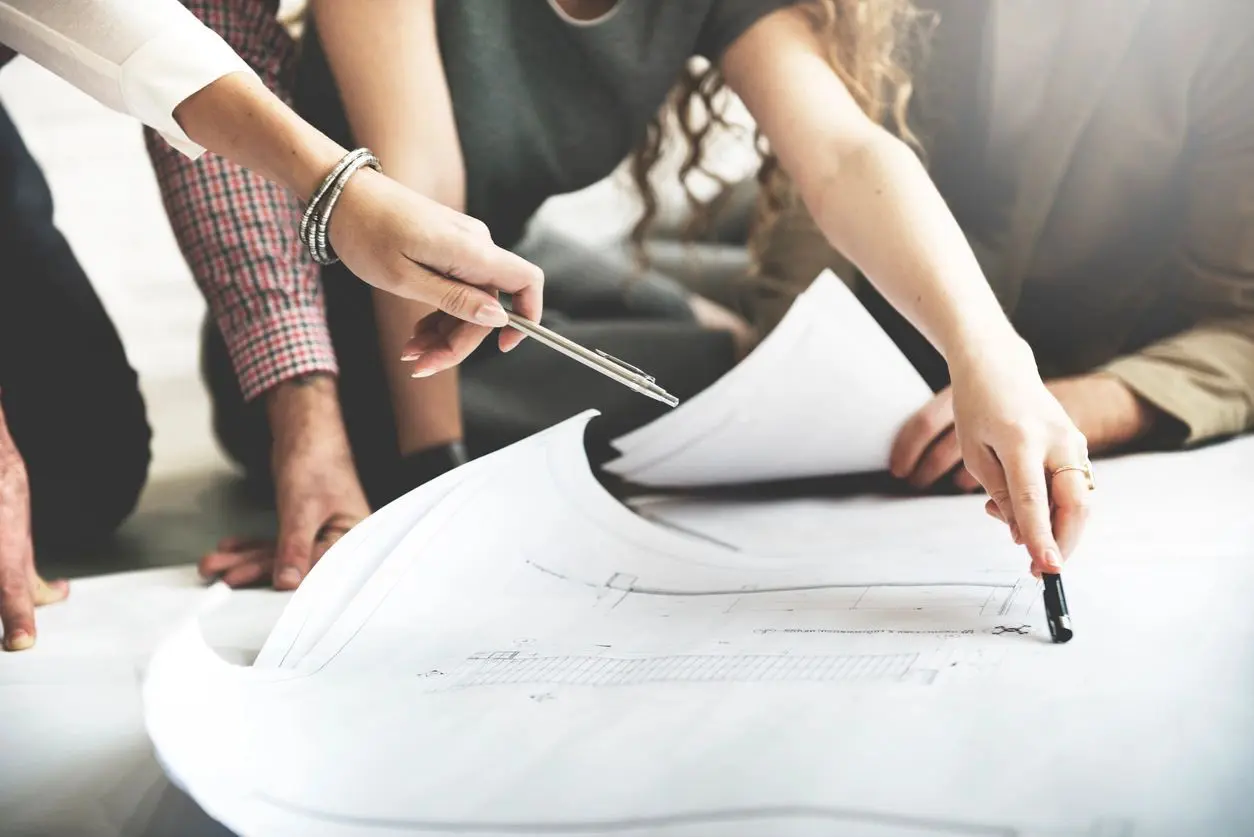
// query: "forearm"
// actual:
[[305, 410], [140, 59], [866, 190], [236, 228], [237, 232], [385, 58], [239, 119], [1200, 381], [877, 206]]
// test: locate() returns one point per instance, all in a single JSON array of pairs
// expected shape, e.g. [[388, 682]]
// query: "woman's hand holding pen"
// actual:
[[414, 247], [1013, 436], [389, 235]]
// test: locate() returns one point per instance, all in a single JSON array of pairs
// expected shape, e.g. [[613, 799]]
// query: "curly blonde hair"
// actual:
[[867, 44]]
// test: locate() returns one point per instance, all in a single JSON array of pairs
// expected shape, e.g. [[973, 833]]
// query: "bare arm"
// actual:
[[873, 201], [385, 58], [238, 118], [386, 62], [866, 190]]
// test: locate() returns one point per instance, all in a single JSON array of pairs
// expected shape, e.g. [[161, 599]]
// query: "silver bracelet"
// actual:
[[325, 254], [317, 216], [319, 193]]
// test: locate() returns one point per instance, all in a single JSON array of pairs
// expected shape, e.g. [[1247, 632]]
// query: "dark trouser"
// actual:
[[592, 298], [70, 398]]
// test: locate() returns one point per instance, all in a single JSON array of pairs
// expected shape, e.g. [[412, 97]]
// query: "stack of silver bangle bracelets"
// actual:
[[317, 217]]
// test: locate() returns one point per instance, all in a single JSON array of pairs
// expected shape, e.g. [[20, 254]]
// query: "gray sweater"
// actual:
[[545, 105]]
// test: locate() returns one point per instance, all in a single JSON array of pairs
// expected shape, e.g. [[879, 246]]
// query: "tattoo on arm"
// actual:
[[308, 380]]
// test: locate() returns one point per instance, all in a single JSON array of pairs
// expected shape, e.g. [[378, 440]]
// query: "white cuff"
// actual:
[[167, 70]]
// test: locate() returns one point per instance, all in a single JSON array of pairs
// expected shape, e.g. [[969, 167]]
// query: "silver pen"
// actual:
[[626, 374]]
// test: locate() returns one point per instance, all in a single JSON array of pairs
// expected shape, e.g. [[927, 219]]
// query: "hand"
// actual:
[[714, 317], [318, 494], [408, 245], [1108, 414], [388, 235], [21, 588], [1010, 431]]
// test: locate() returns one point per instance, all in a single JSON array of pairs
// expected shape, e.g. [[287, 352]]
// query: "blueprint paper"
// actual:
[[1212, 517], [549, 663], [825, 393]]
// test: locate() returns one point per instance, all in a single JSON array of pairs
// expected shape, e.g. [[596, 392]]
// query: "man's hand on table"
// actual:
[[21, 588], [318, 494], [1110, 415]]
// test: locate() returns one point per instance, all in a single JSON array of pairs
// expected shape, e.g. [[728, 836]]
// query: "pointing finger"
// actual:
[[1070, 499], [1029, 495]]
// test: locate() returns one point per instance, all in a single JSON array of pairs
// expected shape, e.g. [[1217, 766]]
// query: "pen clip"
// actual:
[[627, 366]]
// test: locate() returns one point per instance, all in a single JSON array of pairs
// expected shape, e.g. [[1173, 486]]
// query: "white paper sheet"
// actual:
[[74, 757], [825, 393], [547, 663]]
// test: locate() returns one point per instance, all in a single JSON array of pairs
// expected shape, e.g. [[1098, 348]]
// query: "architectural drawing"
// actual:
[[574, 669]]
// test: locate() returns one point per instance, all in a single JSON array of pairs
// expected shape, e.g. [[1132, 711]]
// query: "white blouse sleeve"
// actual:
[[139, 57]]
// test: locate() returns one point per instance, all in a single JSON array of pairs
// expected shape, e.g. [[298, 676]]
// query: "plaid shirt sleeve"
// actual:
[[238, 232]]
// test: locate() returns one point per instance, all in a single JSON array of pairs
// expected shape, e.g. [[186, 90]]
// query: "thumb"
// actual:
[[294, 552]]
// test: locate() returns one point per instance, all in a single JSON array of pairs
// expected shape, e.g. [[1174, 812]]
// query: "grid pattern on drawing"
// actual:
[[496, 670]]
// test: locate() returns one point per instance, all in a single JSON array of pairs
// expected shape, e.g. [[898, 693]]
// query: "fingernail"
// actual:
[[491, 315], [423, 373], [19, 641], [288, 577], [1053, 560], [409, 357]]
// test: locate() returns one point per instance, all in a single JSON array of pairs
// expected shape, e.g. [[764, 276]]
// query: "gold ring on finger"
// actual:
[[1086, 469]]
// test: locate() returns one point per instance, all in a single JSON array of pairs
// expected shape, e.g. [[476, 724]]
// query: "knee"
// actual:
[[25, 198], [98, 483]]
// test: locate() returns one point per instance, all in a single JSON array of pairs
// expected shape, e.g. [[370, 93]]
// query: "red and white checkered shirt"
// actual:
[[238, 231]]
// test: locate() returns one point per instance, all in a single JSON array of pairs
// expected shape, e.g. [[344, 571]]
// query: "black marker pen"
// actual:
[[1056, 609]]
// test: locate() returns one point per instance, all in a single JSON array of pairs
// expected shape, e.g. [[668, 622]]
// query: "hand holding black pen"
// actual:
[[1057, 614]]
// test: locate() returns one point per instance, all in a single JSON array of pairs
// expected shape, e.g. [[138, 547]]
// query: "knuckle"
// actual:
[[476, 229], [1078, 504], [1017, 433], [455, 299], [931, 424], [1078, 441], [13, 589], [923, 425], [1029, 496]]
